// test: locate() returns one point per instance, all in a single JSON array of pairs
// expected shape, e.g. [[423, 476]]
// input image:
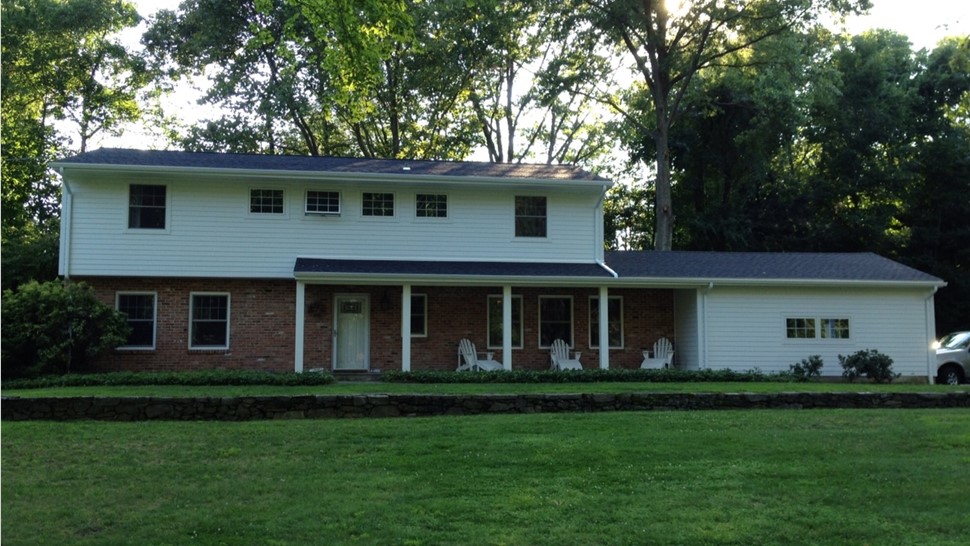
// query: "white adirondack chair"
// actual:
[[468, 359], [559, 354], [662, 356]]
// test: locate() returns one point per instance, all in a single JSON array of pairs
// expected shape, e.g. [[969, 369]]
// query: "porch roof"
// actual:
[[326, 268]]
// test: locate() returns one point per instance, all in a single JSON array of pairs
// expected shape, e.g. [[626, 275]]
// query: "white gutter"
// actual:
[[602, 264]]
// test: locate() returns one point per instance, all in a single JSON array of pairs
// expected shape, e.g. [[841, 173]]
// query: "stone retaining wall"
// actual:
[[418, 405]]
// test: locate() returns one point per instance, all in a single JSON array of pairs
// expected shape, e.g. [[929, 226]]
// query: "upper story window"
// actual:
[[431, 205], [322, 202], [146, 206], [266, 201], [530, 216], [139, 310], [378, 204]]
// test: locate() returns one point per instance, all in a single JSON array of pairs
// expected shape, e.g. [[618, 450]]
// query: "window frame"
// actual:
[[823, 328], [488, 320], [424, 314], [364, 207], [166, 210], [263, 213], [306, 203], [523, 217], [437, 196], [192, 320], [572, 320], [595, 306], [820, 327], [154, 319]]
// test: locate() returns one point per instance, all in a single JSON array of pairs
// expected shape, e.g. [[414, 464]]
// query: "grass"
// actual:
[[469, 388], [719, 478]]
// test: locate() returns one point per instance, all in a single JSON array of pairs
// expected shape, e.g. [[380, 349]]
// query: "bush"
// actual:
[[870, 363], [56, 327], [807, 369], [580, 376]]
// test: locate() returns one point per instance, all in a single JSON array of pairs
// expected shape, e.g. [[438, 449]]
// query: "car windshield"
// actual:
[[955, 341]]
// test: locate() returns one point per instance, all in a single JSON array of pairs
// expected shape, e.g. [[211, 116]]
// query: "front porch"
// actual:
[[410, 327]]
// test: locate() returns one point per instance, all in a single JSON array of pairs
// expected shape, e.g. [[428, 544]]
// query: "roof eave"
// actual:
[[693, 282], [403, 178]]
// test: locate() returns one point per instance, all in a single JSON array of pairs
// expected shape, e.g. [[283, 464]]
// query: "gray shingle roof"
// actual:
[[449, 269], [401, 167], [763, 265]]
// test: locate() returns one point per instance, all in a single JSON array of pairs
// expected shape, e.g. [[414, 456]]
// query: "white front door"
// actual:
[[351, 332]]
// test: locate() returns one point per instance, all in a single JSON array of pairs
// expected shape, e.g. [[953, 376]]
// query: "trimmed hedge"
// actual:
[[199, 378], [585, 376]]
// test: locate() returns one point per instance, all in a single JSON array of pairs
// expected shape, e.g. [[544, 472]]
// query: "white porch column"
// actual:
[[507, 327], [300, 316], [406, 328], [604, 328]]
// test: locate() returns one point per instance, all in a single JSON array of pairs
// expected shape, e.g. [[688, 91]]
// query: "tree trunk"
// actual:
[[663, 207]]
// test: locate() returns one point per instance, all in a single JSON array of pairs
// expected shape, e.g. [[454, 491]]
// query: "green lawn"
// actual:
[[725, 477], [472, 388]]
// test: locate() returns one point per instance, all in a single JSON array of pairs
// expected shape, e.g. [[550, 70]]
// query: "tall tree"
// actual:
[[670, 44], [60, 65]]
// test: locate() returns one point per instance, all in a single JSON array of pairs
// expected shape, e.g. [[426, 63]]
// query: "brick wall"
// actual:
[[262, 325]]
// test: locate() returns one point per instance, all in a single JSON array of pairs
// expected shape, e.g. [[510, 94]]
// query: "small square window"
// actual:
[[800, 328], [431, 205], [266, 201], [530, 216], [322, 202], [146, 207], [835, 328], [378, 204]]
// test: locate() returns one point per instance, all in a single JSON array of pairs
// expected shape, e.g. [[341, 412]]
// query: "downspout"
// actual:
[[929, 306], [67, 219], [599, 230]]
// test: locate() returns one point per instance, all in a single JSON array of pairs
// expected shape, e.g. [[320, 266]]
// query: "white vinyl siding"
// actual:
[[208, 233], [746, 327]]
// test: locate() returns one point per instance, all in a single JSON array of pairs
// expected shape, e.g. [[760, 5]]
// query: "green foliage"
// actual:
[[807, 368], [189, 378], [868, 363], [580, 376], [56, 327]]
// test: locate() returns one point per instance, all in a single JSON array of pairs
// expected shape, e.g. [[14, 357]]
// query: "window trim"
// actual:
[[424, 314], [488, 323], [417, 209], [572, 320], [154, 296], [590, 322], [363, 207], [306, 203], [263, 214], [192, 296], [168, 210], [515, 218]]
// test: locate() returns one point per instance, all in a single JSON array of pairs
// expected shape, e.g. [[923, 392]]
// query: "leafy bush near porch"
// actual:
[[869, 363], [584, 376], [807, 369], [56, 327], [199, 378]]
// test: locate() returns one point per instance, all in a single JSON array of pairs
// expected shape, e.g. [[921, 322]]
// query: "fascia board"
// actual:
[[383, 178], [444, 280]]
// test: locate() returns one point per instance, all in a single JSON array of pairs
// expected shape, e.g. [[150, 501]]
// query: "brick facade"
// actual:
[[262, 325]]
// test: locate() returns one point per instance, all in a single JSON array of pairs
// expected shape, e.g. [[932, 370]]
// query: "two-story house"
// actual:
[[296, 263]]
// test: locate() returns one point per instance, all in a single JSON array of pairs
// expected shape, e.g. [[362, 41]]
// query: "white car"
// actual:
[[953, 358]]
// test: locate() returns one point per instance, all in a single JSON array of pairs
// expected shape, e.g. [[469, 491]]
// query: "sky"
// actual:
[[925, 22]]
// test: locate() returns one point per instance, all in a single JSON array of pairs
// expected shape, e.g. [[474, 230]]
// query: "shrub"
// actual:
[[807, 369], [579, 376], [193, 378], [56, 327], [869, 363]]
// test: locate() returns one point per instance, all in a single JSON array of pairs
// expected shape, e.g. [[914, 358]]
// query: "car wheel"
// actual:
[[950, 375]]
